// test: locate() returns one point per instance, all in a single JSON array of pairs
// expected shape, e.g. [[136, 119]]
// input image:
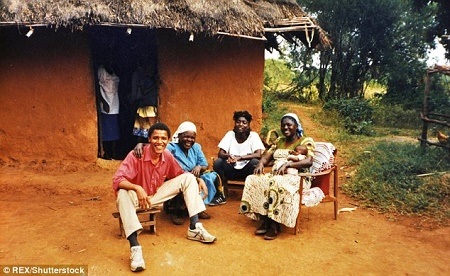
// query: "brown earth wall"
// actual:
[[206, 80], [47, 99], [47, 94]]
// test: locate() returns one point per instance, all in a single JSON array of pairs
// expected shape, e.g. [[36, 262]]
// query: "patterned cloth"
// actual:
[[142, 121], [275, 196]]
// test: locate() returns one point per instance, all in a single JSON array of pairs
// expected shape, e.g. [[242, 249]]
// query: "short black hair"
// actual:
[[159, 126], [242, 113]]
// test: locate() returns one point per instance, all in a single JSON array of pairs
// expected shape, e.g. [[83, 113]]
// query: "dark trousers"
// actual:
[[227, 171]]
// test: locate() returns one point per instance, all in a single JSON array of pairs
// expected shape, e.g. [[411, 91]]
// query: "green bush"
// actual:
[[395, 116], [271, 111], [389, 179], [356, 114]]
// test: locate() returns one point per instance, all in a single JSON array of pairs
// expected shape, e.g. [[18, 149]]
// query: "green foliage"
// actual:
[[387, 174], [388, 179], [442, 19], [395, 116], [272, 112], [362, 33], [382, 40], [277, 75], [305, 74], [440, 94], [404, 65], [355, 113], [411, 80]]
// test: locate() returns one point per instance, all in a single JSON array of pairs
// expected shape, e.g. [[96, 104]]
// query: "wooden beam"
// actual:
[[434, 143], [289, 29], [428, 120], [243, 36]]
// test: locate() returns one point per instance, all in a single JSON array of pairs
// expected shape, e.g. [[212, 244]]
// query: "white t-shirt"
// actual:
[[249, 146]]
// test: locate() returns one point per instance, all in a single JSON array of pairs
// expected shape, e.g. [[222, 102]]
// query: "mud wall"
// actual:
[[206, 80], [47, 93], [47, 98]]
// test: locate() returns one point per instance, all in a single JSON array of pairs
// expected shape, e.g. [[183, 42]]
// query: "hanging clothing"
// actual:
[[144, 94], [109, 90], [109, 105]]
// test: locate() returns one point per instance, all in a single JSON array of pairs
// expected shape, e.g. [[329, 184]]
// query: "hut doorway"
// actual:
[[126, 73]]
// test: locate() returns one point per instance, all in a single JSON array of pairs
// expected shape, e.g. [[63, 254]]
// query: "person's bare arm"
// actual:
[[198, 170], [264, 161], [202, 187], [223, 154], [293, 158], [250, 156], [138, 150]]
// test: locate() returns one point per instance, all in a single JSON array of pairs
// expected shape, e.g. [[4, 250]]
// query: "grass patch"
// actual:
[[388, 178], [388, 165]]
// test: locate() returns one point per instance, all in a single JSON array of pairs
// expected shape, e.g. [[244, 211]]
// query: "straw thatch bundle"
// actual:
[[236, 17]]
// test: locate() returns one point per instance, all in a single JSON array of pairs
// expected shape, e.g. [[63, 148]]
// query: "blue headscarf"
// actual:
[[295, 118]]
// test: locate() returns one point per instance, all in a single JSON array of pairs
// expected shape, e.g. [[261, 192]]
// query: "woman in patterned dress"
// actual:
[[274, 198]]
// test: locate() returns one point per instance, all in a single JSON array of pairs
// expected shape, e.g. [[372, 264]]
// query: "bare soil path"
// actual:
[[60, 215]]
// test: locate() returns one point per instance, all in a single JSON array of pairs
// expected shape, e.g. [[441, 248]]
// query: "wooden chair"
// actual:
[[146, 217], [327, 180]]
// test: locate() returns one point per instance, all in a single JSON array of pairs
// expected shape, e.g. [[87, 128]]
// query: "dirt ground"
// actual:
[[60, 214]]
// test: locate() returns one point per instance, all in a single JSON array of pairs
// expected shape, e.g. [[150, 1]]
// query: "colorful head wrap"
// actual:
[[295, 117]]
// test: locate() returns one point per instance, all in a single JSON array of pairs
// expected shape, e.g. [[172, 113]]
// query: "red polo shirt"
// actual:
[[142, 172]]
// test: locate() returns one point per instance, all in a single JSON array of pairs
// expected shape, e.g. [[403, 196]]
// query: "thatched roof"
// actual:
[[236, 17]]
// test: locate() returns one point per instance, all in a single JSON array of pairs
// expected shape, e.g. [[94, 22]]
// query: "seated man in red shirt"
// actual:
[[151, 180]]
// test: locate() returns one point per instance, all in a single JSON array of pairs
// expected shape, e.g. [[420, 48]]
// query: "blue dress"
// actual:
[[195, 157]]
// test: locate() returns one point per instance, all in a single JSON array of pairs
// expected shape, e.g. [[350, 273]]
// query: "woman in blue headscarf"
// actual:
[[274, 198]]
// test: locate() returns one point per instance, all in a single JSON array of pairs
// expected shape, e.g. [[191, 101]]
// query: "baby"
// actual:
[[299, 153]]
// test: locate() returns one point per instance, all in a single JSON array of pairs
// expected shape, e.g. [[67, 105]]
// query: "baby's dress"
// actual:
[[280, 156]]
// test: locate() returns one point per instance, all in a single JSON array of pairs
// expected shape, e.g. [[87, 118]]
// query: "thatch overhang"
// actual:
[[248, 18]]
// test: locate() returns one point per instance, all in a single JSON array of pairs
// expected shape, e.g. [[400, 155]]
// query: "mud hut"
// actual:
[[208, 55]]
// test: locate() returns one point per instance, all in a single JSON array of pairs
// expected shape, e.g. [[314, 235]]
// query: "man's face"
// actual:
[[158, 141]]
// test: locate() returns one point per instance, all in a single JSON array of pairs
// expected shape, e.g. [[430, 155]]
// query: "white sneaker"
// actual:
[[137, 261], [200, 234]]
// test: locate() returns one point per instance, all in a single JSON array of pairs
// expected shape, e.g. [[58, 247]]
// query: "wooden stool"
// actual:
[[146, 217]]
